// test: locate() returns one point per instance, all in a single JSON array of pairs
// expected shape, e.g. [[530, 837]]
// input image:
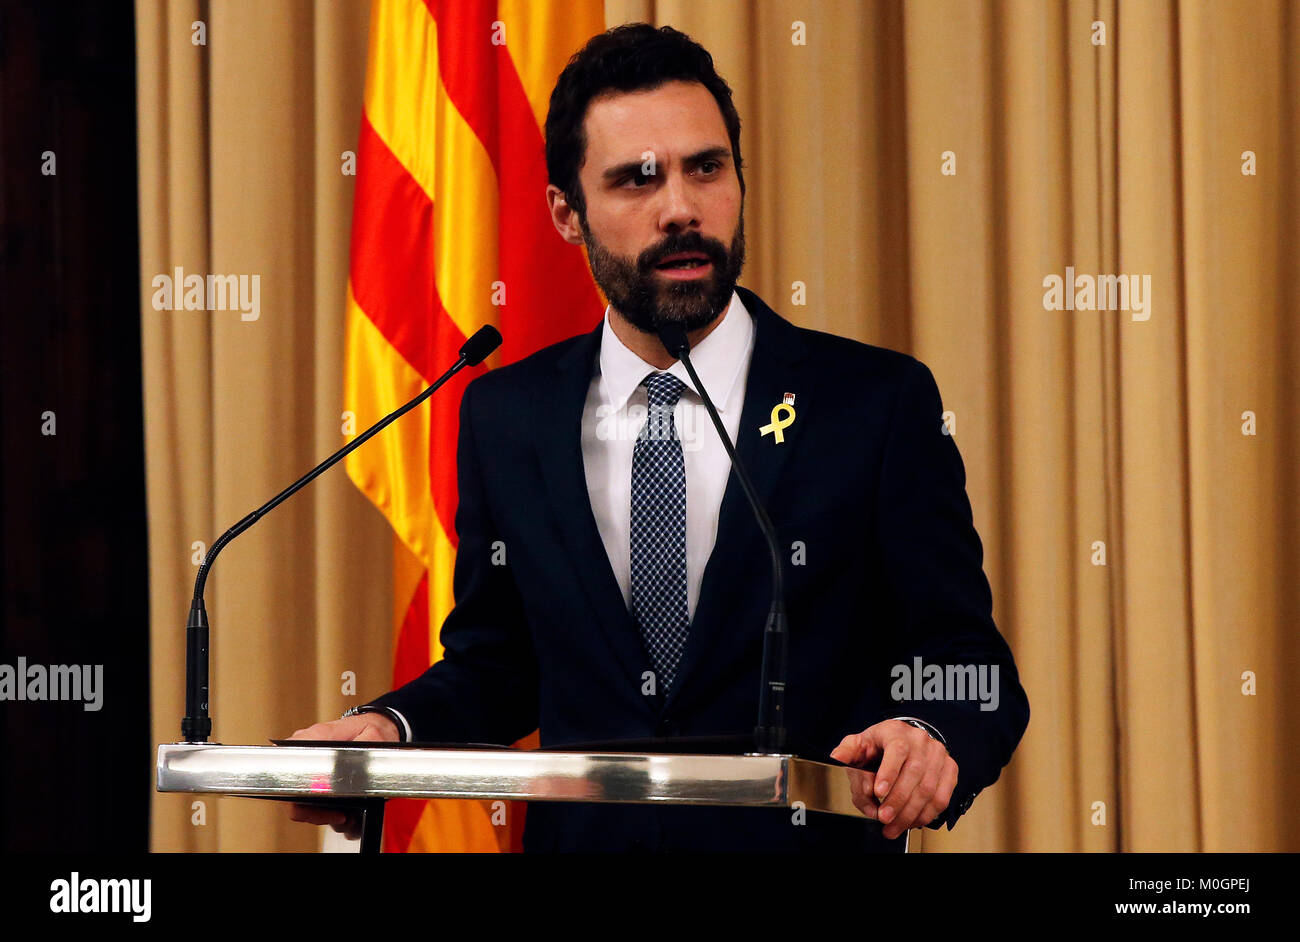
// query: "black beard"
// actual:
[[648, 301]]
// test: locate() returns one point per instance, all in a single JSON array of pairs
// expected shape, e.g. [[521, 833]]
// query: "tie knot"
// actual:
[[663, 389]]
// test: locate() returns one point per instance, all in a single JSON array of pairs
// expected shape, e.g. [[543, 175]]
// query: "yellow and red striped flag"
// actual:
[[450, 231]]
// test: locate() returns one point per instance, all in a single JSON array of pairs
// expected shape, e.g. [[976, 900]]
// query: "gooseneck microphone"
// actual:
[[769, 734], [197, 724]]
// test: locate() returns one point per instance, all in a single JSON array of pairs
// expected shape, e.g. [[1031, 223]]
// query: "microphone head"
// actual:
[[476, 349], [674, 340]]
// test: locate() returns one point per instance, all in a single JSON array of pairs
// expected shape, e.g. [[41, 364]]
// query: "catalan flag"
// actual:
[[450, 231]]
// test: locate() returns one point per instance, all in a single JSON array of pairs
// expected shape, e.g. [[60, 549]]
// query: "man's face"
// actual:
[[664, 221]]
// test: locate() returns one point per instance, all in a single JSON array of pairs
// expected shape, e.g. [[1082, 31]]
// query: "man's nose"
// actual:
[[679, 210]]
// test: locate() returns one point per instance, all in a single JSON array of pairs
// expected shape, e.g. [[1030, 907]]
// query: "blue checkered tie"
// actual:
[[658, 531]]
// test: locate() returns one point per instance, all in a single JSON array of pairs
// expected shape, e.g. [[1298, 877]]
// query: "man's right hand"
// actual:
[[363, 727]]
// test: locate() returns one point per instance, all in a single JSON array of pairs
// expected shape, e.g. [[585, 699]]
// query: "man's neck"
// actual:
[[648, 346]]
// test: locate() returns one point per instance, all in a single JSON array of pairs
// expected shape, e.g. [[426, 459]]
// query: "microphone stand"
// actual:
[[769, 733], [197, 723]]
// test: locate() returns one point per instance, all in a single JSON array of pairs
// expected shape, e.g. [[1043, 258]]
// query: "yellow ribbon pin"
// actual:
[[779, 422]]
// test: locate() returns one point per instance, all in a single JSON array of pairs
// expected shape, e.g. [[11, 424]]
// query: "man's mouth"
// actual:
[[683, 261], [685, 266]]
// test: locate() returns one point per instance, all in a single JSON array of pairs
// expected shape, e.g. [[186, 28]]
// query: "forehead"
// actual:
[[675, 118]]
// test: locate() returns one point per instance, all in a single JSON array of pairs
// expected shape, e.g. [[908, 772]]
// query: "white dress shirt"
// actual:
[[615, 413]]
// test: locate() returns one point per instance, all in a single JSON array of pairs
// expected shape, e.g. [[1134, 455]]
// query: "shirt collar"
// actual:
[[719, 359]]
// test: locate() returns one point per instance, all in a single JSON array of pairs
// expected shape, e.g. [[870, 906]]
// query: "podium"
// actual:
[[362, 776]]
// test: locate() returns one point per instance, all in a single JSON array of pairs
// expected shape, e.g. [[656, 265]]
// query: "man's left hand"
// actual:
[[914, 782]]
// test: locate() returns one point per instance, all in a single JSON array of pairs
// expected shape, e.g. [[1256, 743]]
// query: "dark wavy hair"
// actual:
[[627, 58]]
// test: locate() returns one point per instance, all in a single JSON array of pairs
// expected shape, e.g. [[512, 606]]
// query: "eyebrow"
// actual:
[[633, 166]]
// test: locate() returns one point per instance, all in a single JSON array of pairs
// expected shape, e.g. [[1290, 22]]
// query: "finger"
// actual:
[[847, 749], [908, 816], [369, 733], [310, 814], [315, 731], [942, 796], [856, 749], [918, 800], [860, 790], [897, 749], [351, 828], [920, 758], [340, 729], [305, 813]]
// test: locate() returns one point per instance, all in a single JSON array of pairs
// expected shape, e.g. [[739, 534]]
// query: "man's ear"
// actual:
[[564, 216]]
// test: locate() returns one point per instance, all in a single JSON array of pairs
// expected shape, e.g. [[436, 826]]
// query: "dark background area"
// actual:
[[73, 555]]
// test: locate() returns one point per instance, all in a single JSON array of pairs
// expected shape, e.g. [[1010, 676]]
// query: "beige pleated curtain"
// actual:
[[916, 170]]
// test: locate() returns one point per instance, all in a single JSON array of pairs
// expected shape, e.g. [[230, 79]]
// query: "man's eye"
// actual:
[[637, 180], [715, 164]]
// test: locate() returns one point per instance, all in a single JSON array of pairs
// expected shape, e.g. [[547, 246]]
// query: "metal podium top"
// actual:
[[380, 771]]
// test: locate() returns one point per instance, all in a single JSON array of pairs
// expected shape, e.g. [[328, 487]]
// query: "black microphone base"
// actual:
[[770, 739], [196, 729]]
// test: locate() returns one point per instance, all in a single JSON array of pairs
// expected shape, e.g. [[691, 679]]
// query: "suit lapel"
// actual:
[[557, 419], [774, 370]]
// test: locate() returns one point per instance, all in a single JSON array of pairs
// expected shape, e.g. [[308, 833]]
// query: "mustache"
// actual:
[[689, 242]]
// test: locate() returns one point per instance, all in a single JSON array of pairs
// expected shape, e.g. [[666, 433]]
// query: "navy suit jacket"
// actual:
[[868, 499]]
